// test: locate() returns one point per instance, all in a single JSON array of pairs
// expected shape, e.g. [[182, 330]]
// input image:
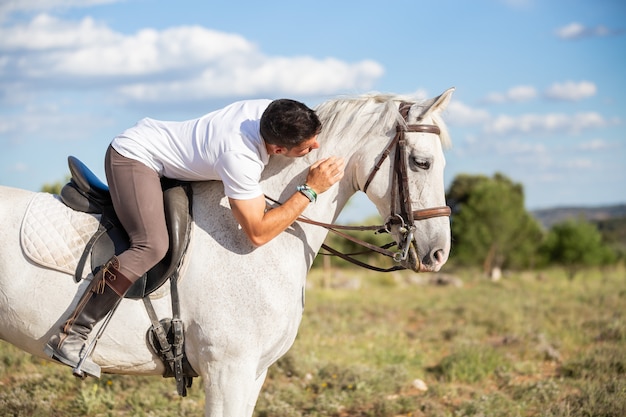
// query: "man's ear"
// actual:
[[276, 150]]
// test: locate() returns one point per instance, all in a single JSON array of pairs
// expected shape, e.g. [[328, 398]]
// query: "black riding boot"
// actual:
[[102, 294]]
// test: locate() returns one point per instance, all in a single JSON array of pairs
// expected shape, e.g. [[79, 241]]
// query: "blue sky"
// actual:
[[539, 95]]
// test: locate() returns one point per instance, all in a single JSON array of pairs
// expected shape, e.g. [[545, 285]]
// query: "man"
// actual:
[[232, 145]]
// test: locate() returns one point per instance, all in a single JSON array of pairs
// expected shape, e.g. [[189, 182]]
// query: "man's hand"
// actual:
[[324, 173], [261, 225]]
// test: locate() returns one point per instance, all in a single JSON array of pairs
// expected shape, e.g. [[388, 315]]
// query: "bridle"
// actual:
[[405, 216]]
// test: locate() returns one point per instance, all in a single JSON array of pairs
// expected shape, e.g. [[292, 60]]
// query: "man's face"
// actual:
[[303, 149]]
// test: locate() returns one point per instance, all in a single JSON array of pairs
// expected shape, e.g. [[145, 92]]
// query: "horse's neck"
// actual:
[[283, 175]]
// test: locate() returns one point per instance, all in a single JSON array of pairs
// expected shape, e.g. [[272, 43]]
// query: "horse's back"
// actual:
[[13, 204]]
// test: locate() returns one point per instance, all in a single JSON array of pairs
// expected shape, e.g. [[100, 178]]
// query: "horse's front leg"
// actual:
[[254, 395], [232, 389]]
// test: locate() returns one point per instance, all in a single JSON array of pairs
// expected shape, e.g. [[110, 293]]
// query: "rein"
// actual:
[[335, 228], [405, 218]]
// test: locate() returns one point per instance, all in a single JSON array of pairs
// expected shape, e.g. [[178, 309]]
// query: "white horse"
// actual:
[[241, 305]]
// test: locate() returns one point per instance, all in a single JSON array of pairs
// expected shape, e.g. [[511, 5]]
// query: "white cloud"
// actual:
[[18, 167], [460, 114], [47, 121], [580, 163], [566, 91], [571, 31], [298, 75], [595, 145], [576, 30], [518, 3], [176, 63], [545, 123], [11, 6], [420, 94], [522, 93], [514, 94], [520, 147], [45, 32], [571, 91]]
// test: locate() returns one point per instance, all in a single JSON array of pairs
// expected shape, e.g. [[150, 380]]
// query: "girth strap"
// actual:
[[171, 345]]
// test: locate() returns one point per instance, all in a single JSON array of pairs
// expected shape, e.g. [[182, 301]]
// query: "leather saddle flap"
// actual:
[[85, 192]]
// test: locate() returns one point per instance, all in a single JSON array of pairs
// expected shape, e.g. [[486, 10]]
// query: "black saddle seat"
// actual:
[[85, 192]]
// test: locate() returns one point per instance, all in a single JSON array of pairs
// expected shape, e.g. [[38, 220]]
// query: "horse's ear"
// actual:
[[441, 102]]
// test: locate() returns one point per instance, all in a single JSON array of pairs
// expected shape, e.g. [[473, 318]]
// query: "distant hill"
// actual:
[[551, 216]]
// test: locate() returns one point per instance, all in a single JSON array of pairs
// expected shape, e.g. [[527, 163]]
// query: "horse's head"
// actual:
[[408, 187]]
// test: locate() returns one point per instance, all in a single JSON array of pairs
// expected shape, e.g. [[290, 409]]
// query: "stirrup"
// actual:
[[78, 371], [91, 369]]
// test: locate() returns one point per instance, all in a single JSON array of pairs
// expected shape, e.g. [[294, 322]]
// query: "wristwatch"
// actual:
[[308, 192]]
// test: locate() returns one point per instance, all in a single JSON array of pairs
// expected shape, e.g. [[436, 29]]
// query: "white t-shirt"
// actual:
[[223, 145]]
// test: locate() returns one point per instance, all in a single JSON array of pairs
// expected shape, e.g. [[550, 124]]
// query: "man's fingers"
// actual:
[[318, 162], [334, 162], [325, 172]]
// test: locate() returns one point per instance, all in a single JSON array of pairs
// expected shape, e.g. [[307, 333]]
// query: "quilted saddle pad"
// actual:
[[53, 235]]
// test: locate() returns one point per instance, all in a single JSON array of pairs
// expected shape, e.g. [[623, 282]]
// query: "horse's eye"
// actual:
[[420, 163]]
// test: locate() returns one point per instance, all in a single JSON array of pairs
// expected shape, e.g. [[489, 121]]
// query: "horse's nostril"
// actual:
[[438, 256]]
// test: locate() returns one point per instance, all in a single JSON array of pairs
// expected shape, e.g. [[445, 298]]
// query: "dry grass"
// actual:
[[528, 345]]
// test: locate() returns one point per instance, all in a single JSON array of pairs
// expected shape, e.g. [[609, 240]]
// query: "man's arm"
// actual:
[[261, 226]]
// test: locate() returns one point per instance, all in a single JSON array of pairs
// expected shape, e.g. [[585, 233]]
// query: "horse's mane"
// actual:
[[370, 114]]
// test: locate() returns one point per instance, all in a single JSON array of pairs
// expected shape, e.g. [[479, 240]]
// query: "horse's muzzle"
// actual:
[[431, 262]]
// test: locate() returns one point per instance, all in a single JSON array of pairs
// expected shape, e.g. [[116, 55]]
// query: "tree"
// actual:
[[490, 224], [461, 188], [54, 188], [613, 231], [575, 245]]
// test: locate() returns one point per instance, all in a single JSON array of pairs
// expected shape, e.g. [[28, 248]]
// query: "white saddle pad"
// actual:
[[53, 235]]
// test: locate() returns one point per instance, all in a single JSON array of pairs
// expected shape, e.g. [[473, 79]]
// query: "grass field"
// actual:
[[528, 345]]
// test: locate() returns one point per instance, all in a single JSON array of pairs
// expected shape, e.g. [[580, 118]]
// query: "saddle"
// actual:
[[86, 193]]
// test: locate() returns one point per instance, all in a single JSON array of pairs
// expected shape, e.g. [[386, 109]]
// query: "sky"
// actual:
[[540, 84]]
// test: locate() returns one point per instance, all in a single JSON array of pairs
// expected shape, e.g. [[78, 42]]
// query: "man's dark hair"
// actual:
[[288, 123]]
